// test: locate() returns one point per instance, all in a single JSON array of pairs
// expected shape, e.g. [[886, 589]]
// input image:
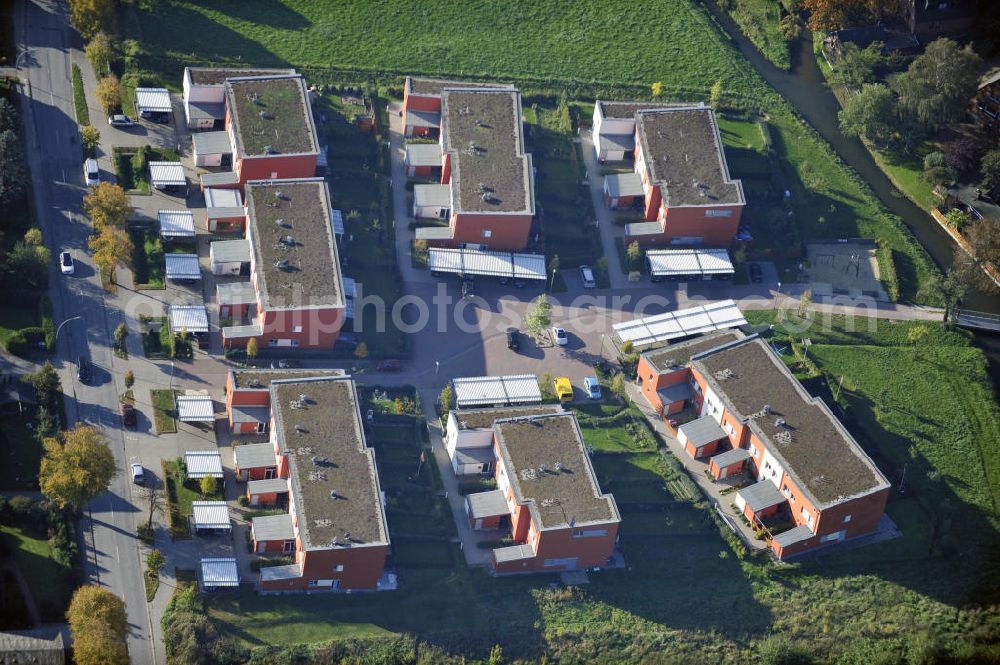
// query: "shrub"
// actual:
[[933, 160]]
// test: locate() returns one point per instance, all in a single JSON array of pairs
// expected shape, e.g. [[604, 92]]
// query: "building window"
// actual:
[[274, 175], [788, 493], [339, 568], [288, 546], [718, 213], [590, 533], [297, 329], [806, 516], [487, 233], [729, 429], [295, 342], [847, 518], [753, 450], [272, 342]]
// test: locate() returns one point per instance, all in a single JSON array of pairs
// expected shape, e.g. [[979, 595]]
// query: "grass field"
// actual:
[[759, 21], [180, 493], [14, 317], [164, 410], [21, 451], [51, 583], [147, 259]]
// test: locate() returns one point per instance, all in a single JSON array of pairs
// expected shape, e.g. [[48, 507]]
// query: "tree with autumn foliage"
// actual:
[[108, 205], [98, 624], [838, 14], [76, 467], [92, 16], [109, 93], [112, 248]]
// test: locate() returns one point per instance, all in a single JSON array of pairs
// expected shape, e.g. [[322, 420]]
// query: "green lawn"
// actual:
[[147, 259], [80, 97], [157, 345], [20, 451], [51, 583], [164, 410], [907, 173], [131, 165], [15, 317], [180, 493]]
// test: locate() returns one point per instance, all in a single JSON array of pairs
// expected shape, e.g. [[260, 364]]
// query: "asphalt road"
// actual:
[[55, 158]]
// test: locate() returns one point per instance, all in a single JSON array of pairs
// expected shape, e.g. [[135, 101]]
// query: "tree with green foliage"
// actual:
[[627, 347], [956, 219], [155, 560], [208, 485], [14, 177], [947, 289], [46, 384], [98, 51], [9, 118], [447, 398], [657, 89], [129, 379], [189, 636], [857, 66], [29, 264], [790, 27], [76, 467], [633, 253], [617, 386], [983, 236], [98, 624], [936, 88], [496, 656], [539, 315], [121, 332], [805, 300], [871, 115], [989, 170]]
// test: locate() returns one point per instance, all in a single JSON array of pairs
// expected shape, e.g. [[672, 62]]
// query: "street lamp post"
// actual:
[[171, 374], [552, 280], [777, 296]]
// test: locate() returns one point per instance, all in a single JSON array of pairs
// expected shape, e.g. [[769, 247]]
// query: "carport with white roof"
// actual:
[[503, 265], [652, 330], [196, 409], [182, 266], [167, 174], [689, 264], [176, 224], [496, 390]]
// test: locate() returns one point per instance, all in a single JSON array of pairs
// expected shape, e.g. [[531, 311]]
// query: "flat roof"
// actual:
[[220, 573], [176, 223], [182, 266], [201, 463], [249, 414], [487, 504], [192, 318], [793, 535], [156, 100], [334, 481], [268, 486], [496, 390], [297, 263], [429, 87], [210, 515], [809, 442], [230, 251], [484, 418], [423, 154], [730, 457], [623, 184], [271, 115], [219, 197], [679, 354], [277, 573], [235, 293], [420, 118], [681, 323], [273, 527], [550, 471], [432, 195], [167, 174], [205, 110], [643, 229], [702, 430], [218, 75], [683, 150], [512, 265], [667, 262], [761, 495], [490, 172], [260, 379], [219, 179], [624, 110], [211, 143], [254, 455], [623, 142]]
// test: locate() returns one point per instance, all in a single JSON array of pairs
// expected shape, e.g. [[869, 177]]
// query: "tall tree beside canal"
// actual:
[[936, 88], [870, 114]]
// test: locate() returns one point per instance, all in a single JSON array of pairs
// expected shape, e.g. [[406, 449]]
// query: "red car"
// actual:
[[128, 414], [389, 365]]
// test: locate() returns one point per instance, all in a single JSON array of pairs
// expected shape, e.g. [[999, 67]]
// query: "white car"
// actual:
[[91, 172], [66, 263], [559, 336], [137, 474]]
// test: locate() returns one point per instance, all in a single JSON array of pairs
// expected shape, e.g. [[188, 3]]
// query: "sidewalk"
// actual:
[[474, 555], [400, 209], [696, 471], [605, 218]]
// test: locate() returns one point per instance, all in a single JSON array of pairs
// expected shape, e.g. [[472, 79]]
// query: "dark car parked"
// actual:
[[83, 370], [513, 339], [128, 414]]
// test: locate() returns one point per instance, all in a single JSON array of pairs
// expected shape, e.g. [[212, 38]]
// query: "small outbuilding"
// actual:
[[431, 201], [235, 299], [219, 574], [225, 211], [210, 516], [421, 159], [151, 102], [230, 257], [182, 267], [212, 149], [196, 409], [176, 224], [167, 175], [202, 463], [622, 189], [192, 319]]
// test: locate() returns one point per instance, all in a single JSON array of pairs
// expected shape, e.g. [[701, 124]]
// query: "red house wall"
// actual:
[[507, 232], [363, 566], [273, 167], [412, 102], [320, 327]]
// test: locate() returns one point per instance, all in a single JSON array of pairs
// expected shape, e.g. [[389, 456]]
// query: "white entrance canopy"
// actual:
[[196, 409], [694, 262], [210, 515], [682, 323], [201, 463], [496, 390], [219, 573], [508, 265]]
